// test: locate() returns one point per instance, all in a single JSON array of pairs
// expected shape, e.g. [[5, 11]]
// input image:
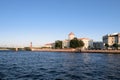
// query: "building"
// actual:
[[49, 45], [88, 43], [98, 45], [111, 39], [66, 43]]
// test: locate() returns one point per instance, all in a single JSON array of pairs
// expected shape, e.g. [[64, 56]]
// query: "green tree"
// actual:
[[27, 49], [115, 45], [75, 43], [106, 45], [58, 44], [81, 43]]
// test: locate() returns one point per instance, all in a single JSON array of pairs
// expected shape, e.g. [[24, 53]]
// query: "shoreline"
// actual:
[[101, 51], [4, 49], [76, 51], [54, 50]]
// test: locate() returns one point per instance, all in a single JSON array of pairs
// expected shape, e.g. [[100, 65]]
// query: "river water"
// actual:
[[25, 65]]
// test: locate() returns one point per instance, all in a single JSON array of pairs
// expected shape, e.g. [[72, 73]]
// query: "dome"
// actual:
[[71, 33], [71, 36]]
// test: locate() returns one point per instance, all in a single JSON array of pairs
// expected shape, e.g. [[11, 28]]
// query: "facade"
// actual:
[[98, 45], [111, 39], [88, 43], [65, 43]]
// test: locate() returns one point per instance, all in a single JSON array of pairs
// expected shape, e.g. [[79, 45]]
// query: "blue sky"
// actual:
[[44, 21]]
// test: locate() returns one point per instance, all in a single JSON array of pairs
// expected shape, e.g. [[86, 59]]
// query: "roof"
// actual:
[[83, 38], [49, 43], [65, 40], [113, 34]]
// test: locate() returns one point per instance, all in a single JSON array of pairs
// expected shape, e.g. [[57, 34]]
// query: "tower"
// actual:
[[30, 45], [71, 36]]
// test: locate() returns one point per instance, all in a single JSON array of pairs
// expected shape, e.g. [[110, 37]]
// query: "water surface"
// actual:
[[25, 65]]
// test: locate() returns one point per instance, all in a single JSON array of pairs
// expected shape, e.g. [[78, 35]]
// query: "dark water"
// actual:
[[58, 66]]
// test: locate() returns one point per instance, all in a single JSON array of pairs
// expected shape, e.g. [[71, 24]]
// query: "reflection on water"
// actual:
[[58, 66]]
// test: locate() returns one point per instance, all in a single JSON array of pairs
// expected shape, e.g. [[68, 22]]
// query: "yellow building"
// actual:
[[111, 39], [88, 43]]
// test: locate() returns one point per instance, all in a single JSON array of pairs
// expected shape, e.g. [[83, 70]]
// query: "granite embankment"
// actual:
[[100, 51], [4, 49], [55, 50], [74, 50]]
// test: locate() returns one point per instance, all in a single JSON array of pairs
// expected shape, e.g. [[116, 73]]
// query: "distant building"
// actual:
[[88, 43], [111, 39], [49, 45], [98, 45]]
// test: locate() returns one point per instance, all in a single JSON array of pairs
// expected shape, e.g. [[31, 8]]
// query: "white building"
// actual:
[[88, 43], [66, 43]]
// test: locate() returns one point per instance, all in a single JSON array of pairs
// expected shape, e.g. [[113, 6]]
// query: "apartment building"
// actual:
[[111, 39]]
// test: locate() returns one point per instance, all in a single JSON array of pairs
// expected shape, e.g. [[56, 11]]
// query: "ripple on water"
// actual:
[[30, 76], [2, 75], [58, 66], [72, 76]]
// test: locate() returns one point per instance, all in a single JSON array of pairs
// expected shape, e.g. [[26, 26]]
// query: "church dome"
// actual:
[[71, 36], [71, 33]]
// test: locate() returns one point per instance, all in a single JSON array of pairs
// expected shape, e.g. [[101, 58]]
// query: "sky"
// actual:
[[45, 21]]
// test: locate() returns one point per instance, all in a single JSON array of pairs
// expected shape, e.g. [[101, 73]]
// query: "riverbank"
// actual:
[[101, 51], [77, 51], [4, 49], [54, 50]]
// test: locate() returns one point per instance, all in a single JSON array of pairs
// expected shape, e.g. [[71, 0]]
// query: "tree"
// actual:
[[115, 45], [75, 43], [106, 45], [81, 43], [27, 49], [58, 44]]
